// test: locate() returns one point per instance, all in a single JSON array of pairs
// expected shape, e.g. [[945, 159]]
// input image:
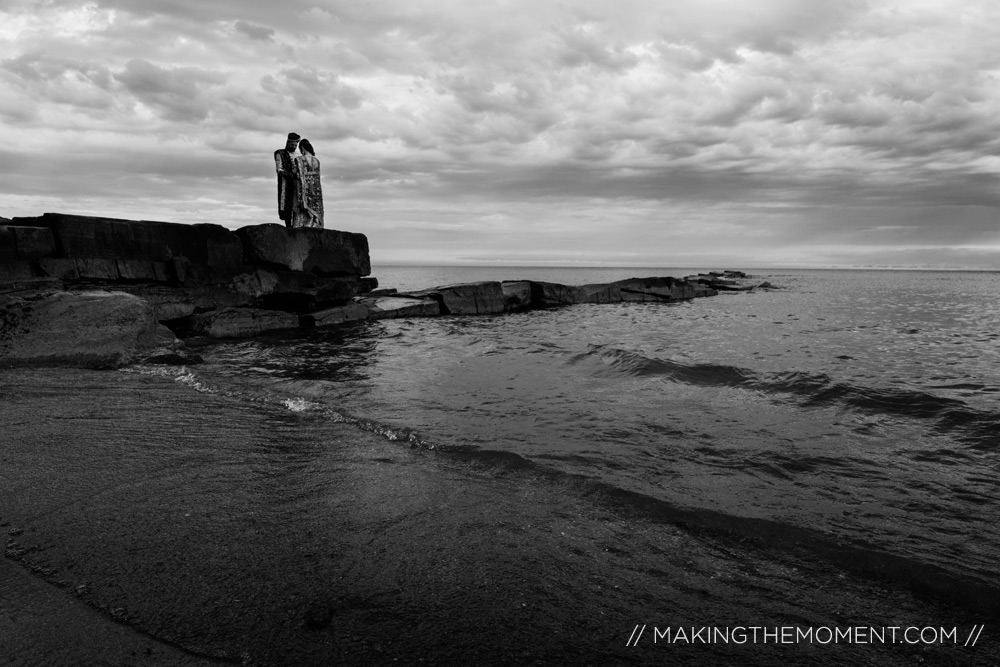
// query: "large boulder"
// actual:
[[322, 251], [81, 329], [483, 298], [240, 322]]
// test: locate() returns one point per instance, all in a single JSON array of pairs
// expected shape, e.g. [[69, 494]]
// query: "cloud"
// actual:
[[254, 31], [177, 92], [312, 89], [781, 121], [62, 81]]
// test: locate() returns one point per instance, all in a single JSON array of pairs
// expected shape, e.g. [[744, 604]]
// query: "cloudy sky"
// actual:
[[623, 132]]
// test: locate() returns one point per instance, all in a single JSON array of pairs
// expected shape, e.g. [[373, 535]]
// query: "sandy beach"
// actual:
[[151, 524]]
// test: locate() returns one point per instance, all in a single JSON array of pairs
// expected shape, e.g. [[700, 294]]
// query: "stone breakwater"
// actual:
[[100, 292]]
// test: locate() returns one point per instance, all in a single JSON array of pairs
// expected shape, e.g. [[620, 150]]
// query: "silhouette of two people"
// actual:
[[300, 195]]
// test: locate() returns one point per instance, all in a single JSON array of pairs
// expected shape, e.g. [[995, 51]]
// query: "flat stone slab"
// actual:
[[351, 312], [387, 307]]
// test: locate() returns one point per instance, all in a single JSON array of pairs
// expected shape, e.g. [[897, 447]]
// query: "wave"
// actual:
[[975, 428], [306, 397], [857, 556], [284, 394]]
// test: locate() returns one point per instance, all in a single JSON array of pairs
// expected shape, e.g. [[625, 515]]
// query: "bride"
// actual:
[[309, 209]]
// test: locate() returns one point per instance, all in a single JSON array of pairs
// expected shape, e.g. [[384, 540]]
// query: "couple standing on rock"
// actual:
[[300, 197]]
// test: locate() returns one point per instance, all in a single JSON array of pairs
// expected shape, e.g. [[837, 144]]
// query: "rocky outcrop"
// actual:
[[82, 248], [82, 329], [203, 279], [529, 294], [185, 271]]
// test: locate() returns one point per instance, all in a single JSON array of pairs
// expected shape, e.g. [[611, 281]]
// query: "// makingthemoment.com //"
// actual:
[[754, 634]]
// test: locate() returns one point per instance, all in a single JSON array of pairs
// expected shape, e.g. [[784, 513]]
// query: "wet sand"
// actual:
[[148, 524]]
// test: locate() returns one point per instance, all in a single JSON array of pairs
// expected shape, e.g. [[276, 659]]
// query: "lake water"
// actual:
[[861, 406]]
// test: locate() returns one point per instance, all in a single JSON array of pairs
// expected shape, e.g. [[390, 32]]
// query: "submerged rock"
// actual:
[[78, 329]]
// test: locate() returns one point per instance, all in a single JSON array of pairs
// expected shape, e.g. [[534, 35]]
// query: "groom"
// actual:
[[287, 179]]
